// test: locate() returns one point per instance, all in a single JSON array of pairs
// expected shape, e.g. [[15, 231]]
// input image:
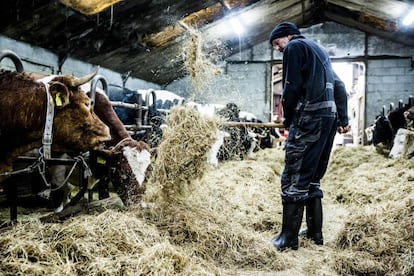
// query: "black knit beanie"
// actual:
[[283, 29]]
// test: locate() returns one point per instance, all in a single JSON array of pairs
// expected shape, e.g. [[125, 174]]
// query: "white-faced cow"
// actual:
[[403, 144], [127, 160]]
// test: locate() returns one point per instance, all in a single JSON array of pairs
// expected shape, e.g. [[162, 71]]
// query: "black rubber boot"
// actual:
[[314, 219], [291, 221]]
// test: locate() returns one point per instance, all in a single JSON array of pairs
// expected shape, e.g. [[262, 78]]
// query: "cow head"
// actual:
[[383, 132], [23, 105], [128, 164], [75, 123], [409, 114]]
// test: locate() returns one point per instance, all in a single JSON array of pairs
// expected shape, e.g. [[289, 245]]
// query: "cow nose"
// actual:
[[104, 134], [107, 138]]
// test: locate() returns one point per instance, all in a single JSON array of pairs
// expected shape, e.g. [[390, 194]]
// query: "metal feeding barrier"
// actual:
[[141, 119], [253, 124]]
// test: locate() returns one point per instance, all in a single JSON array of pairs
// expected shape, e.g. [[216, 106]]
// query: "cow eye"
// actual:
[[86, 126]]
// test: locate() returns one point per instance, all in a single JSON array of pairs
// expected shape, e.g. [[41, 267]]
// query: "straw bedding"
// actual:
[[200, 220]]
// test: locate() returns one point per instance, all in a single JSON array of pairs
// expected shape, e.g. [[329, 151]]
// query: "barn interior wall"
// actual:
[[389, 78], [388, 81], [245, 81], [246, 74], [37, 59], [244, 85]]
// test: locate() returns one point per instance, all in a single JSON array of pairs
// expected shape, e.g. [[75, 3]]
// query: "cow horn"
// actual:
[[82, 80]]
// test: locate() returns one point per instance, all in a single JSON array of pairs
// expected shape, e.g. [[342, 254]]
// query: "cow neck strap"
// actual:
[[50, 113]]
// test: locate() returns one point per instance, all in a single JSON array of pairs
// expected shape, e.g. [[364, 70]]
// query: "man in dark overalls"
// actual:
[[313, 112]]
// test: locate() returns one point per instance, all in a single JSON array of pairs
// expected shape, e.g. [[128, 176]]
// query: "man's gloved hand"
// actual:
[[343, 129]]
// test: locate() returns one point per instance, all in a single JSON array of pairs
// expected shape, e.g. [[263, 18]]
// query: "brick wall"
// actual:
[[388, 81]]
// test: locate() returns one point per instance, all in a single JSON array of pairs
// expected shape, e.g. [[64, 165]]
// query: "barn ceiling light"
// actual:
[[409, 18], [237, 26], [89, 7]]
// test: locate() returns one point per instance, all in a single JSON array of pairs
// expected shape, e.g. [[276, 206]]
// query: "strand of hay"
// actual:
[[182, 154]]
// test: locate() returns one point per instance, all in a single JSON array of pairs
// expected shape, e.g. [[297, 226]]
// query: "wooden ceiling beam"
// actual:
[[381, 18]]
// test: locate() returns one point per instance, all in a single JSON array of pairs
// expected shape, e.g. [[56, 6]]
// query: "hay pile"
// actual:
[[223, 224], [378, 234]]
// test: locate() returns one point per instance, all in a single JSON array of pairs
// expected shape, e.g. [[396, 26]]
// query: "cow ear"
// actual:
[[59, 93]]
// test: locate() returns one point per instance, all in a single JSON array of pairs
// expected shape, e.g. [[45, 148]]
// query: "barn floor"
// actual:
[[225, 223]]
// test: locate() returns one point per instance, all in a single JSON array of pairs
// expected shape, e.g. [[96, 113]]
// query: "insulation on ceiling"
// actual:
[[89, 7]]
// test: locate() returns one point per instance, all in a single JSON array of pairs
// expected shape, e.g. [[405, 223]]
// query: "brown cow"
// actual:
[[124, 161], [23, 104]]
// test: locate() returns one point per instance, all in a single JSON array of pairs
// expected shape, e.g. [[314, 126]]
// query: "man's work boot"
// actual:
[[314, 219], [291, 221]]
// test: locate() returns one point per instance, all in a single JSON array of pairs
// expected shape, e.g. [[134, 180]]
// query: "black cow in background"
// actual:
[[122, 94], [238, 143], [382, 132], [243, 141], [386, 124]]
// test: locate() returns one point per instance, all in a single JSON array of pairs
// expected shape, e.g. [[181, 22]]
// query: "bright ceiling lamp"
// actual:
[[89, 7], [236, 25], [409, 18]]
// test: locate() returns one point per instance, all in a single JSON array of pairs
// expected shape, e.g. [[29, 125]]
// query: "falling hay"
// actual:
[[182, 154], [199, 67]]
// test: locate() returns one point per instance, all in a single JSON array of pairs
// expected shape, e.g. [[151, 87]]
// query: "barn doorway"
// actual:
[[353, 75]]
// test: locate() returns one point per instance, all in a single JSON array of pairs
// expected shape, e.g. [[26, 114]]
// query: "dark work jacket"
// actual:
[[341, 101], [306, 71]]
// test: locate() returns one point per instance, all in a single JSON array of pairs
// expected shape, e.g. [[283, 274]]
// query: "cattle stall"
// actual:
[[41, 161]]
